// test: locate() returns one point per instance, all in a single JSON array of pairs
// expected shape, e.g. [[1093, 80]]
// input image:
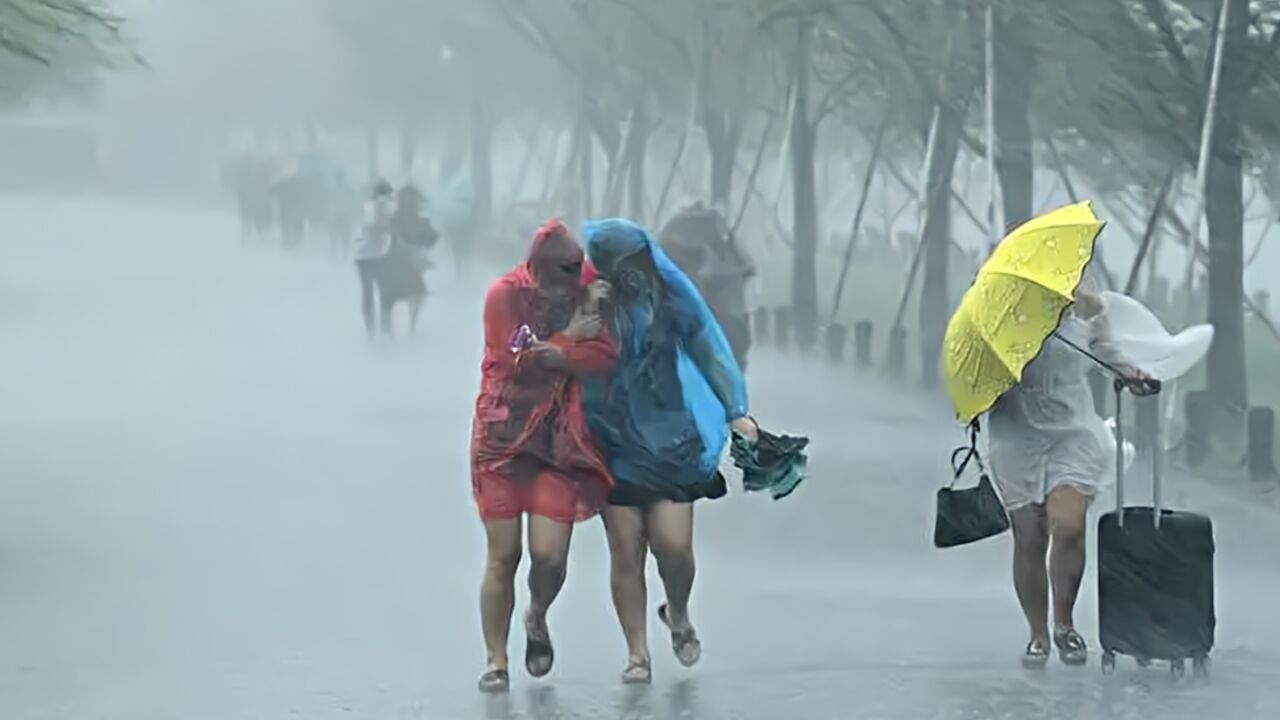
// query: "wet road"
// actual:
[[217, 502]]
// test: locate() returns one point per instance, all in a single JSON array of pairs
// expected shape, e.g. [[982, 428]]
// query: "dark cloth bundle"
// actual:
[[776, 463]]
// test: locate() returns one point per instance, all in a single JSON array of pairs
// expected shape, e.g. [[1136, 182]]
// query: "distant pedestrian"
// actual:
[[371, 247], [401, 276], [699, 240]]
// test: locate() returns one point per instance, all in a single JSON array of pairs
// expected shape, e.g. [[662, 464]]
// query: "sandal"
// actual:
[[1072, 649], [495, 681], [684, 643], [638, 672], [1037, 655], [539, 656]]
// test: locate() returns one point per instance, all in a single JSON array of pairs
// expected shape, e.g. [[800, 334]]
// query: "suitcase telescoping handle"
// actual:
[[1142, 387]]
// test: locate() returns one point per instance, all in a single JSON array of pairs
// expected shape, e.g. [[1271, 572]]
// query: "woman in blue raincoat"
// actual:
[[663, 419]]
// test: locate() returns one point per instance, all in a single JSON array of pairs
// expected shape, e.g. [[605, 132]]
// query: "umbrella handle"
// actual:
[[1142, 387]]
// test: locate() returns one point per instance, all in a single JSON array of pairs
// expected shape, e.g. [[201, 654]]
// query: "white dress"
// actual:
[[375, 235], [1045, 433]]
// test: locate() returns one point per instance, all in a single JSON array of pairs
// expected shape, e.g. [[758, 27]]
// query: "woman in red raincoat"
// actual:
[[531, 451]]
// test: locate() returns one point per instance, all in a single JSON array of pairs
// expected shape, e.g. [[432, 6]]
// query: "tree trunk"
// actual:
[[454, 154], [481, 173], [1224, 210], [408, 151], [936, 237], [637, 149], [724, 135], [620, 174], [586, 169], [1014, 63], [804, 270], [371, 152], [606, 129]]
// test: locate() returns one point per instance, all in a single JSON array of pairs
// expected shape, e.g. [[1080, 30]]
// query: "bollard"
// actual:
[[1199, 419], [862, 343], [837, 336], [1262, 435], [1147, 421], [761, 326], [782, 327], [897, 352]]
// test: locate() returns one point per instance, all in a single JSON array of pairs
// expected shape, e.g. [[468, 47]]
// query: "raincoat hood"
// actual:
[[610, 242], [554, 258]]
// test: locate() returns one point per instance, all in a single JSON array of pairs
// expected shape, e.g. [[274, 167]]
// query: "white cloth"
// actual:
[[1128, 328], [1045, 432], [375, 233]]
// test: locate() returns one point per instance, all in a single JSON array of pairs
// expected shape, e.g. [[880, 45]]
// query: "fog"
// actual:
[[219, 499]]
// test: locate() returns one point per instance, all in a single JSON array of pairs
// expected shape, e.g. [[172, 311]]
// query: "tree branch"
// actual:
[[1264, 56], [827, 105], [537, 37], [955, 196], [1257, 244], [933, 94], [1153, 222], [658, 30], [751, 176], [1155, 10]]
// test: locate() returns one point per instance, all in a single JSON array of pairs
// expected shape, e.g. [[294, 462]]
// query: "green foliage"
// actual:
[[58, 47]]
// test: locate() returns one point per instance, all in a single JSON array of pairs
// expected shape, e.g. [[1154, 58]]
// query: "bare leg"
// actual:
[[628, 548], [498, 590], [670, 529], [367, 291], [1030, 545], [1066, 508], [548, 551], [386, 306], [415, 307]]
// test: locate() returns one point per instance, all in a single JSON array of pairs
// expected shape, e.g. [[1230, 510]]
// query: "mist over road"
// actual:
[[218, 502]]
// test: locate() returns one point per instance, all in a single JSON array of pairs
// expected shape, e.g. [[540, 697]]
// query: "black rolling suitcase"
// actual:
[[1155, 576]]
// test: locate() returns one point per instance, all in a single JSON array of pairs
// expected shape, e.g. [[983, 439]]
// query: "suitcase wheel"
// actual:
[[1108, 662]]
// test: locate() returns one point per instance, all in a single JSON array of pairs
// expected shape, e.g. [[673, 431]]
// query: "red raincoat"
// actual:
[[531, 451]]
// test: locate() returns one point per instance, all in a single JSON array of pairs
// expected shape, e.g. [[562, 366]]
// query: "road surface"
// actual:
[[218, 502]]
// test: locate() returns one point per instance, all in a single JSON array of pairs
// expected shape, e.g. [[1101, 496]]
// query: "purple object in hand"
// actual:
[[522, 339]]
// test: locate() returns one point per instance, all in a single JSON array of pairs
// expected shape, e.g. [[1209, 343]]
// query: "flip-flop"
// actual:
[[637, 673], [1036, 656], [539, 656], [1072, 649], [495, 681], [684, 643]]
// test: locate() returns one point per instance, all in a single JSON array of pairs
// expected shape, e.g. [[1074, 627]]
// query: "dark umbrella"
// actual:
[[776, 463]]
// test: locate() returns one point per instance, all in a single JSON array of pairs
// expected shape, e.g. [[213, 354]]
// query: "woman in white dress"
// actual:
[[1051, 453]]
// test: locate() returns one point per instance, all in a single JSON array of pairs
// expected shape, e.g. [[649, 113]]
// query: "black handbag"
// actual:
[[970, 514]]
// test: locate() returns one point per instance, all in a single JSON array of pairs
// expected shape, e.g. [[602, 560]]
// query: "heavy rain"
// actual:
[[270, 448]]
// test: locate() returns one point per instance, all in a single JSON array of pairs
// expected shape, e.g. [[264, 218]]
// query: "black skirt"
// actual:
[[632, 495]]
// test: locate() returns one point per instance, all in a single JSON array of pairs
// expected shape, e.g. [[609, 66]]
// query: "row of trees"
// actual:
[[1111, 98], [1149, 106]]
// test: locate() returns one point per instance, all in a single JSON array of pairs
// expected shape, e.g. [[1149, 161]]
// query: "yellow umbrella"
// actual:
[[1014, 305]]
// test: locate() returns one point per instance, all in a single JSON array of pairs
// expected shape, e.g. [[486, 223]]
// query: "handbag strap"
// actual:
[[962, 456]]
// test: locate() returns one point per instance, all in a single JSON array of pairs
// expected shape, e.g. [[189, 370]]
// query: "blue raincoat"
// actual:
[[662, 416]]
